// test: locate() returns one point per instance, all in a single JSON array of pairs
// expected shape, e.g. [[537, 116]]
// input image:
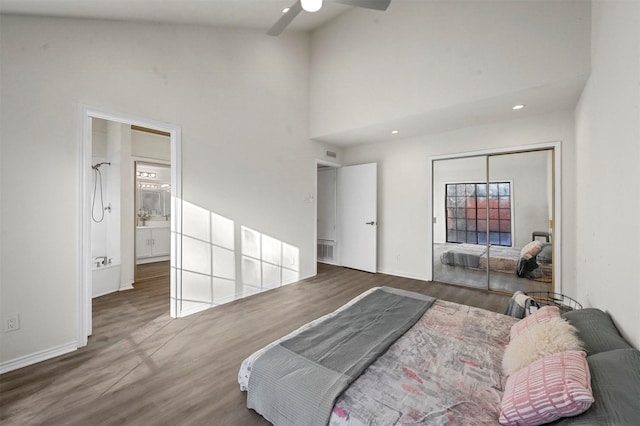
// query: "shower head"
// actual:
[[97, 165]]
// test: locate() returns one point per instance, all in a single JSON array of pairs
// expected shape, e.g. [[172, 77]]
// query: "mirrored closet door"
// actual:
[[493, 221]]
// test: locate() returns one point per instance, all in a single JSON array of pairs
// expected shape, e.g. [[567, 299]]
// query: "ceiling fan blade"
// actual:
[[369, 4], [285, 19]]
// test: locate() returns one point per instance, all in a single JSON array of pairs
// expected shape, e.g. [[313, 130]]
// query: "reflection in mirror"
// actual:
[[459, 223], [527, 263], [492, 221], [150, 202], [153, 194]]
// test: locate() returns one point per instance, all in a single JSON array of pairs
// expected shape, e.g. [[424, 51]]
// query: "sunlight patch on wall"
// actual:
[[209, 261], [266, 261]]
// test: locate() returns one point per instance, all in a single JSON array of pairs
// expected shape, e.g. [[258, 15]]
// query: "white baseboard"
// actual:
[[34, 358], [144, 260], [402, 274], [126, 286], [193, 310], [121, 288]]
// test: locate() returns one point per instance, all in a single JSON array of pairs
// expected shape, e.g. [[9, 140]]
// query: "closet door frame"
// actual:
[[556, 147]]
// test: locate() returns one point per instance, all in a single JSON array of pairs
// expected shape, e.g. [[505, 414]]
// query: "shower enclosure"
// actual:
[[108, 140]]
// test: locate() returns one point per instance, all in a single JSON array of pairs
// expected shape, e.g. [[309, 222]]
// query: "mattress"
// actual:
[[446, 369]]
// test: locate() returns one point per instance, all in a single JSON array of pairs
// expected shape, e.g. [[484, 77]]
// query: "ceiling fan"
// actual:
[[315, 5]]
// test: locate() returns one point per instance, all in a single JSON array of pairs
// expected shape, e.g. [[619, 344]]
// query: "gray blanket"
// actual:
[[297, 381], [519, 305]]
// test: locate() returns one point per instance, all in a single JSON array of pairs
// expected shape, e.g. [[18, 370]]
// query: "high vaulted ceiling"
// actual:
[[457, 36], [250, 14]]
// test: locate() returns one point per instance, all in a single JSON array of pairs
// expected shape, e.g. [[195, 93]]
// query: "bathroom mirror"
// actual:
[[153, 192], [151, 202]]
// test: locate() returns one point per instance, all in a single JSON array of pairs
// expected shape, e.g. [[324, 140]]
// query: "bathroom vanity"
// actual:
[[153, 243]]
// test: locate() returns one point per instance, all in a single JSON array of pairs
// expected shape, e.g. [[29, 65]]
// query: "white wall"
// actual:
[[608, 154], [150, 145], [125, 203], [241, 99], [424, 57], [404, 192]]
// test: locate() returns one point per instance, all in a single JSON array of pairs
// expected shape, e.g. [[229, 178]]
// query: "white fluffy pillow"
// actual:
[[544, 314], [538, 341]]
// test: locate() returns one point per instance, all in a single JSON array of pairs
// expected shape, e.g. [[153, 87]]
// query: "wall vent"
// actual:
[[331, 154], [326, 251]]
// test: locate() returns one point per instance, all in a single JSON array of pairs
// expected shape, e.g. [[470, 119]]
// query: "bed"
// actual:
[[508, 260], [447, 369]]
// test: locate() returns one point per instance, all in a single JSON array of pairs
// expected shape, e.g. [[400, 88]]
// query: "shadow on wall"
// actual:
[[209, 274]]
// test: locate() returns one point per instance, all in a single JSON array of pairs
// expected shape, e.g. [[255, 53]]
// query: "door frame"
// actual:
[[556, 147], [84, 299]]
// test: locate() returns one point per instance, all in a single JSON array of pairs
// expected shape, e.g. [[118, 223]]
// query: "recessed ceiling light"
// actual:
[[519, 106], [395, 132], [285, 10]]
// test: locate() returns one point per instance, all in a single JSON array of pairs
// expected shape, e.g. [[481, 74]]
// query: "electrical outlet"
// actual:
[[12, 323]]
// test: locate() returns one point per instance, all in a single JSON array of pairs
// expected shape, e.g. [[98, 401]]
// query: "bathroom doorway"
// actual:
[[152, 216], [127, 140]]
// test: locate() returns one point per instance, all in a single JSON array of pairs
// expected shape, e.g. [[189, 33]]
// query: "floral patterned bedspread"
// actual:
[[445, 370]]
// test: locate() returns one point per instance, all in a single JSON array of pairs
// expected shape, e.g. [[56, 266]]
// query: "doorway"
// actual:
[[346, 213], [123, 124], [326, 214], [495, 219], [152, 219]]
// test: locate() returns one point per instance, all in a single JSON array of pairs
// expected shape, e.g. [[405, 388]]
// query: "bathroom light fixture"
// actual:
[[311, 5], [146, 174], [395, 132], [519, 106]]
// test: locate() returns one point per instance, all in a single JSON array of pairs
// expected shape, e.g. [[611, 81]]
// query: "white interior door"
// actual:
[[357, 216]]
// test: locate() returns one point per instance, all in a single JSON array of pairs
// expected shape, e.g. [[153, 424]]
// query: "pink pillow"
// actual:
[[540, 316], [555, 386], [532, 249]]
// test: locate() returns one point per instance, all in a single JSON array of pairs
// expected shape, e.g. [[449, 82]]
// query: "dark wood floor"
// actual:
[[143, 368]]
